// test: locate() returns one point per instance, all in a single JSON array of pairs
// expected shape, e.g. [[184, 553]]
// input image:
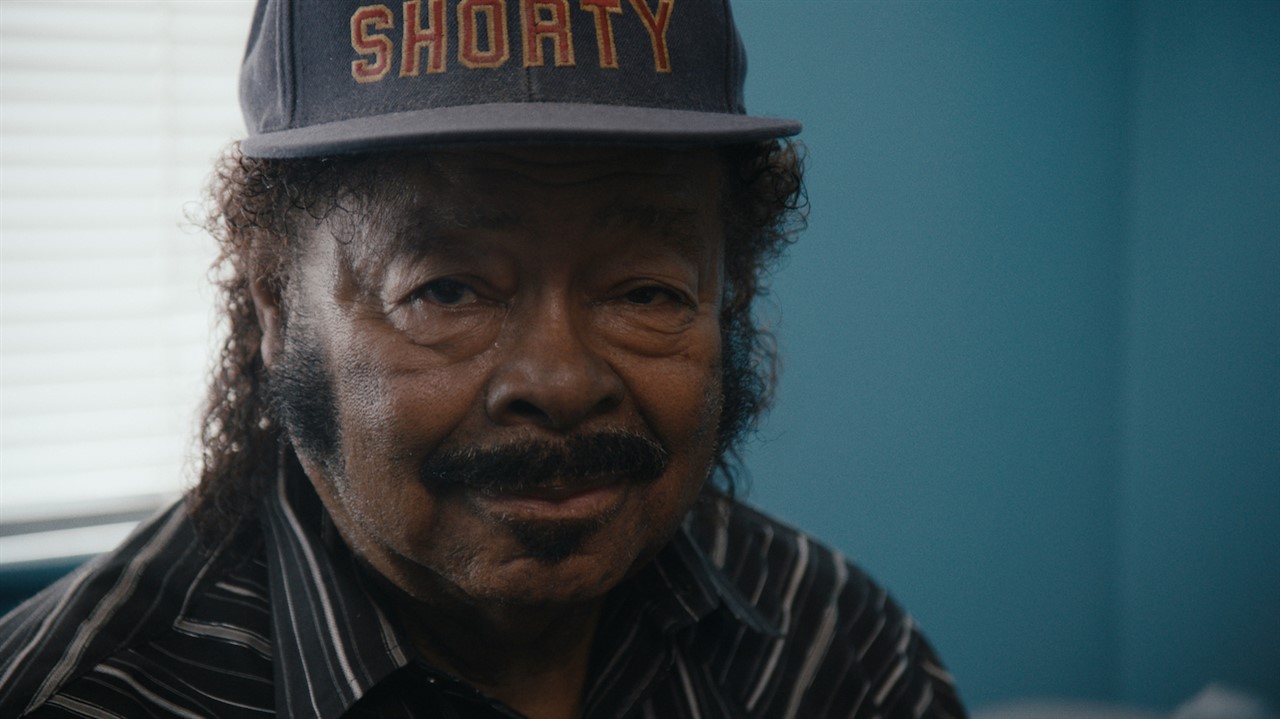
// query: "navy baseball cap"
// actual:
[[323, 77]]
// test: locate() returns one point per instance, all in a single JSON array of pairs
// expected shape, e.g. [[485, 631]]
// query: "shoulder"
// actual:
[[104, 622], [789, 577], [843, 646]]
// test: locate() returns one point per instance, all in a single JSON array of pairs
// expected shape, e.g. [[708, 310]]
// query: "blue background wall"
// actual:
[[1032, 335]]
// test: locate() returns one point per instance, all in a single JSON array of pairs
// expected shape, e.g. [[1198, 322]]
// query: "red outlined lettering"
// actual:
[[657, 27], [601, 9], [366, 43], [435, 36], [540, 19], [495, 18]]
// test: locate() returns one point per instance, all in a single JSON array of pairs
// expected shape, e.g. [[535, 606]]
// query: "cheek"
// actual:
[[391, 417], [680, 397], [400, 401], [393, 413]]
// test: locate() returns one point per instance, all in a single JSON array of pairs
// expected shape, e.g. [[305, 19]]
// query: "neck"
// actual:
[[534, 659]]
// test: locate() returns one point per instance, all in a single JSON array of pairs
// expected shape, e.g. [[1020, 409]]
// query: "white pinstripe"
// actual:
[[821, 642], [93, 711], [225, 632], [123, 589], [926, 698], [45, 625], [325, 602], [687, 684], [156, 698], [802, 560], [898, 669], [288, 598]]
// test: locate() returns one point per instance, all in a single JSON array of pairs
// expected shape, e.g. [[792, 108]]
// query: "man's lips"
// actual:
[[557, 501], [555, 492]]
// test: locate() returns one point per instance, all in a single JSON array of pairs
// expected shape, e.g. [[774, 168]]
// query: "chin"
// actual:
[[556, 589], [557, 574]]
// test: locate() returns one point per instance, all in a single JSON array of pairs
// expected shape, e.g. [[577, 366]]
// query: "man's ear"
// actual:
[[267, 305]]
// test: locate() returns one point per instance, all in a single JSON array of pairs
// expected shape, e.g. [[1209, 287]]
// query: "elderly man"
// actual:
[[488, 268]]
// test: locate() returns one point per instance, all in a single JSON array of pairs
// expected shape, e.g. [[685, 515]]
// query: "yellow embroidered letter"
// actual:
[[495, 18], [435, 36], [376, 44], [657, 28], [546, 18], [604, 28]]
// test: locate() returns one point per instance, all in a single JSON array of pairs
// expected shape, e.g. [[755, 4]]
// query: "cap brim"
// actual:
[[518, 122]]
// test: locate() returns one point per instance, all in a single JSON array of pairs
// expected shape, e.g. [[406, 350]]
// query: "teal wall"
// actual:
[[1032, 335], [1200, 504]]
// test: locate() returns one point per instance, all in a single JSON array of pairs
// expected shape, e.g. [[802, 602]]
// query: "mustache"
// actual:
[[533, 464]]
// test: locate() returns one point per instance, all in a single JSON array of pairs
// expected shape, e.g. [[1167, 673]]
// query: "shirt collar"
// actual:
[[334, 641], [686, 586]]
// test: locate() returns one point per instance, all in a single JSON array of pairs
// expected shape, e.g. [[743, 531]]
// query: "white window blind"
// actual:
[[111, 115]]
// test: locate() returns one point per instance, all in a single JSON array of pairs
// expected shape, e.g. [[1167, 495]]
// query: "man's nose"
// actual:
[[550, 377]]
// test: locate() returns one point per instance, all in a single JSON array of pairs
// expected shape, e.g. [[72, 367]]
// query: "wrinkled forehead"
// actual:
[[399, 199]]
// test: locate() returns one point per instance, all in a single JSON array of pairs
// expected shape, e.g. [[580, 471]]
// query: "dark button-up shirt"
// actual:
[[739, 616]]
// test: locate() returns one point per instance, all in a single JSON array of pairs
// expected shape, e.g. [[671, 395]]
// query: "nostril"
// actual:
[[609, 403], [528, 410]]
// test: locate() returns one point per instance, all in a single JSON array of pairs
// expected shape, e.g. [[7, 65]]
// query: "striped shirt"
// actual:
[[737, 617]]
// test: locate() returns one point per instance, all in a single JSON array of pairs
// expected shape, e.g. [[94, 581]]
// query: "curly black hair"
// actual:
[[256, 209]]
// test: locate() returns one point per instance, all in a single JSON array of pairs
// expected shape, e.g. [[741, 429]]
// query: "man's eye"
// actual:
[[445, 292], [652, 295]]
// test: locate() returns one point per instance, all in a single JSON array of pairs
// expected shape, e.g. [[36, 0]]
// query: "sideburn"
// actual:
[[301, 397]]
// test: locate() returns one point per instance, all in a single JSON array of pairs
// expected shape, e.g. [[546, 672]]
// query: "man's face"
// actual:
[[504, 378]]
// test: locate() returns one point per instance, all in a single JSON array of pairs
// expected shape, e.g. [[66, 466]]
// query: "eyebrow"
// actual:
[[440, 218], [434, 225], [644, 216], [674, 225]]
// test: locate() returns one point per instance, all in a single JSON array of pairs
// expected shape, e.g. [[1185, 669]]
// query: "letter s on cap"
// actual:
[[366, 43]]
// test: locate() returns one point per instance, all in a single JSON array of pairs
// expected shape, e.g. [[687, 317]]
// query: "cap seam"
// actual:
[[291, 82], [728, 57]]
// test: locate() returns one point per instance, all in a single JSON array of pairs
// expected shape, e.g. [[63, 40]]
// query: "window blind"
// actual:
[[112, 113]]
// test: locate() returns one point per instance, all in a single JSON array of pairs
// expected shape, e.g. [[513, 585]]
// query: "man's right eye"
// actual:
[[445, 292]]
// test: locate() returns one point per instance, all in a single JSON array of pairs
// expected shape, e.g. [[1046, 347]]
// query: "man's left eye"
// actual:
[[445, 292], [653, 295]]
